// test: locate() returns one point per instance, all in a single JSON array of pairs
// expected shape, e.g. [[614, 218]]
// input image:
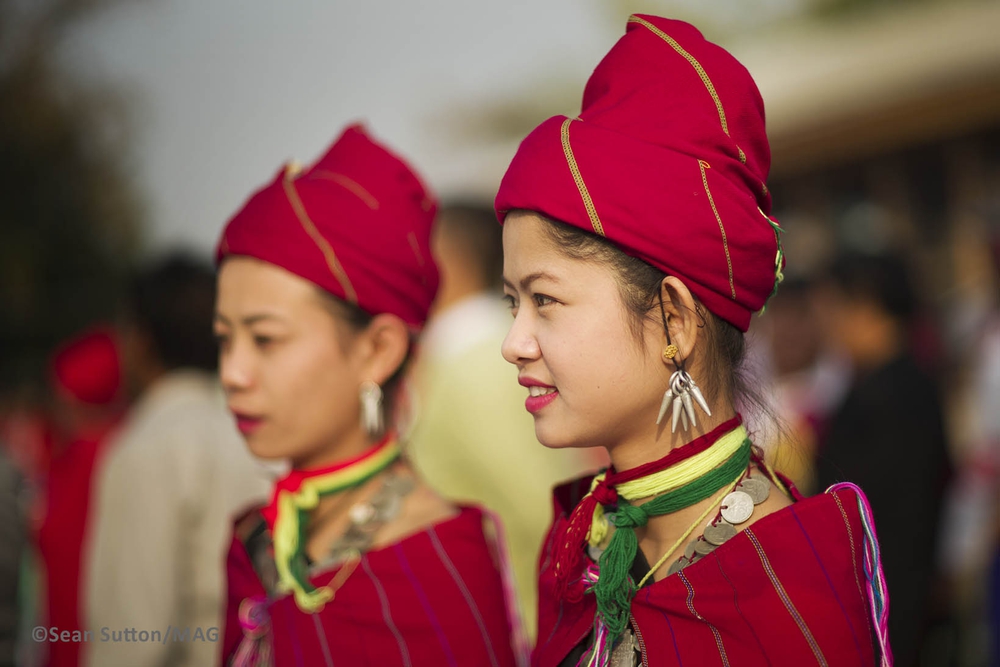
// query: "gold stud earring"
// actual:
[[669, 352]]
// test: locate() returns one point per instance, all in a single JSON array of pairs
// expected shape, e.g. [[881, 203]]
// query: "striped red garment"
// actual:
[[789, 590], [434, 598]]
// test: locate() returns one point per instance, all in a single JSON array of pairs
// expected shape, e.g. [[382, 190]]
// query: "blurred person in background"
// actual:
[[970, 546], [13, 542], [175, 475], [807, 384], [88, 401], [473, 439], [888, 433], [326, 277]]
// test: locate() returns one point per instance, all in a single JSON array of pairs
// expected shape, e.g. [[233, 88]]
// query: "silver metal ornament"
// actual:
[[371, 408], [737, 507], [685, 394], [667, 395]]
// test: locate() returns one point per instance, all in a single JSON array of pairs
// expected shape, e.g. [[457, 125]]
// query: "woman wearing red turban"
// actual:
[[638, 243], [325, 278]]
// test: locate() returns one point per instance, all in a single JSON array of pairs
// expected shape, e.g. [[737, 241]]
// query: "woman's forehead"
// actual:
[[249, 284]]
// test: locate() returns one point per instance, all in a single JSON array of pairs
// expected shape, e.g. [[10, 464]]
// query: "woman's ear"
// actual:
[[683, 319], [387, 343]]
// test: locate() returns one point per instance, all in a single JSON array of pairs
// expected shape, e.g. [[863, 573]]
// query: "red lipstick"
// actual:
[[533, 404], [247, 424]]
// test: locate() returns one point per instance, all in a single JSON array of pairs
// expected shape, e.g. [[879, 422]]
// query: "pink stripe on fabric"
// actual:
[[443, 556], [322, 640], [386, 613], [522, 646], [425, 603]]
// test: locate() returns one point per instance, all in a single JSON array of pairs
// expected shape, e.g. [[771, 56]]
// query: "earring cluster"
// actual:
[[682, 391]]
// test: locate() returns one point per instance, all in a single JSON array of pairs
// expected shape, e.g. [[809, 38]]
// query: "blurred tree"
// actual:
[[69, 213]]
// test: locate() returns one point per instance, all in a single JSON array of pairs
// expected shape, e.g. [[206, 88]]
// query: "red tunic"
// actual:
[[434, 598], [789, 590]]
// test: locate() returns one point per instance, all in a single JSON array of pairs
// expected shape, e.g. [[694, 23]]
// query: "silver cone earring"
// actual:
[[681, 388], [683, 393], [371, 408]]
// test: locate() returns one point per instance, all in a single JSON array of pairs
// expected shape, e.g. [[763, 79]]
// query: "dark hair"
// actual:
[[475, 229], [639, 284], [173, 302], [883, 279], [357, 320]]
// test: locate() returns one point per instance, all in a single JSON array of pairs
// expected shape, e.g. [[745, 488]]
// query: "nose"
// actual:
[[235, 367], [520, 345]]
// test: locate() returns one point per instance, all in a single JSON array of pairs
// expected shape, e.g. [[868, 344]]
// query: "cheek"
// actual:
[[601, 362], [314, 394]]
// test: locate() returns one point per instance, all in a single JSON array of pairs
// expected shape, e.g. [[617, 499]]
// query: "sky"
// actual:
[[220, 94]]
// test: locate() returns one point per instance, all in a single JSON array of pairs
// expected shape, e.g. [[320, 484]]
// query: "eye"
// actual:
[[262, 341], [542, 300], [221, 339], [511, 302]]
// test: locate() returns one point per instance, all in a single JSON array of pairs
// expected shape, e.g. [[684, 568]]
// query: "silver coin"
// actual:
[[676, 567], [703, 547], [361, 513], [719, 533], [594, 552], [689, 550], [737, 507], [757, 489]]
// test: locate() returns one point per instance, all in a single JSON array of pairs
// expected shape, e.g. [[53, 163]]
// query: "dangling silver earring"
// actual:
[[680, 389], [371, 408]]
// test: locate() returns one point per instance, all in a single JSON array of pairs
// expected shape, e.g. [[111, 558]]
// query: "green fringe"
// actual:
[[615, 588]]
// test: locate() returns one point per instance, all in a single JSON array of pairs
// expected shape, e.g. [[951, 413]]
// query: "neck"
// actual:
[[348, 446], [660, 441]]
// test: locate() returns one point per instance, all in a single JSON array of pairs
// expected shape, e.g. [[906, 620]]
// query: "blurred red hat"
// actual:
[[88, 367], [357, 224], [668, 160]]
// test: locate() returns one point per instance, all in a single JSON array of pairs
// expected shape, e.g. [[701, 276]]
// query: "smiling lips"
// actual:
[[539, 394]]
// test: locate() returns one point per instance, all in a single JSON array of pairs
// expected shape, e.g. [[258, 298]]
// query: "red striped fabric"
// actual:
[[786, 591], [434, 598]]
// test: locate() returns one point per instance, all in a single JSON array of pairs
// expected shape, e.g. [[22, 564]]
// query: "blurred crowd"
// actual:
[[133, 441], [880, 353]]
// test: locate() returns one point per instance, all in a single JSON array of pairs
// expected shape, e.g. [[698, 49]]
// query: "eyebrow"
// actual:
[[530, 278], [250, 319]]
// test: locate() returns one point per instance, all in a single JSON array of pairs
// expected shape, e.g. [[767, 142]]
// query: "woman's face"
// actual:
[[590, 381], [289, 368]]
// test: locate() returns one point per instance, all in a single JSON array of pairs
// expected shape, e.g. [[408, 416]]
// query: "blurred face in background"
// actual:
[[588, 380], [857, 326], [795, 332], [290, 369]]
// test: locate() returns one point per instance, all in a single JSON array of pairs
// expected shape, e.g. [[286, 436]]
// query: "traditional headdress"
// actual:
[[87, 368], [668, 160], [357, 224]]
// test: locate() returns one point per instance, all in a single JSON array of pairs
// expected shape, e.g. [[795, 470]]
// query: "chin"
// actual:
[[554, 438], [264, 448]]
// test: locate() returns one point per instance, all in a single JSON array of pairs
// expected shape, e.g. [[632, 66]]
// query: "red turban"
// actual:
[[87, 368], [667, 160], [357, 224]]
